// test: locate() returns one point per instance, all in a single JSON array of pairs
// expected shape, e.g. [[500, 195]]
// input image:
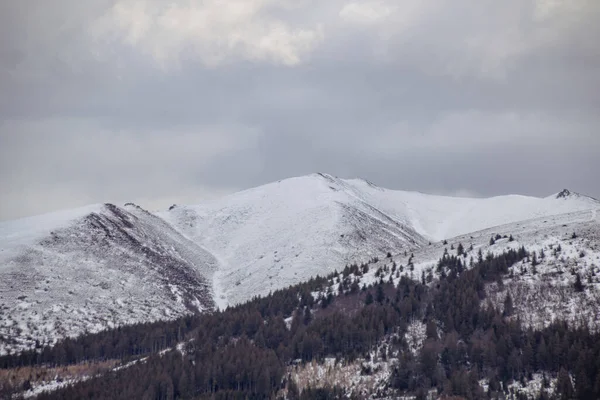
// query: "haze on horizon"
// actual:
[[155, 103]]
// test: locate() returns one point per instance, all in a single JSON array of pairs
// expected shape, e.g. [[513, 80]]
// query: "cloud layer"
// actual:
[[210, 32], [154, 102]]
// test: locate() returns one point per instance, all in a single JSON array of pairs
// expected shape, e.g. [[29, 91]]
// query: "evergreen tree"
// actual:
[[307, 316], [380, 294], [578, 285], [431, 330], [564, 386], [508, 305]]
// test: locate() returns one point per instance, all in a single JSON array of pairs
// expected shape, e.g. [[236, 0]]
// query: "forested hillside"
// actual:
[[469, 347]]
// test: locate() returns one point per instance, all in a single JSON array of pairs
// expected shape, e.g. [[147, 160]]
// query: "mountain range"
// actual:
[[92, 268]]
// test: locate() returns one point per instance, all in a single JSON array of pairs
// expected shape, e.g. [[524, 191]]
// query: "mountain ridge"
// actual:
[[138, 265], [336, 212]]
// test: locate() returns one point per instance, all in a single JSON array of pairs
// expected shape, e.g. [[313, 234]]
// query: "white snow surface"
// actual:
[[96, 267], [51, 386], [282, 233]]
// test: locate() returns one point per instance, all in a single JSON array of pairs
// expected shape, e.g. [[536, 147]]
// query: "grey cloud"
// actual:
[[84, 121]]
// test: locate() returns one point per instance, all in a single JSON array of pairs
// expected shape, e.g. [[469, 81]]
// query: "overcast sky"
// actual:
[[176, 102]]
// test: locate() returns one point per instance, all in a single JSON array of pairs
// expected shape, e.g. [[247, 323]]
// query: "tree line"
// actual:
[[244, 352]]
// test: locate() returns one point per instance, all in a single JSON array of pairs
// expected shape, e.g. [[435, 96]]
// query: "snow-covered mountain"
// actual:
[[92, 268], [285, 232], [88, 269]]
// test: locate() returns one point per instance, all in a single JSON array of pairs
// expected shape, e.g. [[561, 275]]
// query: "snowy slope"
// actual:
[[441, 217], [100, 266], [284, 232], [93, 268], [542, 293]]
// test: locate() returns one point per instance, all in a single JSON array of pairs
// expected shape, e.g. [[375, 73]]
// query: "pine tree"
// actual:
[[460, 250], [508, 305], [431, 330], [369, 299], [542, 355], [380, 294], [578, 284], [534, 260], [564, 386], [307, 316]]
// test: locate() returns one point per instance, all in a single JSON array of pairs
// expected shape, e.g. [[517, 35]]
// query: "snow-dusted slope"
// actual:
[[65, 273], [100, 266], [442, 217], [543, 288], [284, 232]]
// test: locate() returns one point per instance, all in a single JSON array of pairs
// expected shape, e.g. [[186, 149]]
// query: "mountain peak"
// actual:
[[333, 178], [326, 176], [565, 193]]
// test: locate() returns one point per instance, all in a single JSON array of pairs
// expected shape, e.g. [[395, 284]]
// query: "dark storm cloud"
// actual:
[[136, 101]]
